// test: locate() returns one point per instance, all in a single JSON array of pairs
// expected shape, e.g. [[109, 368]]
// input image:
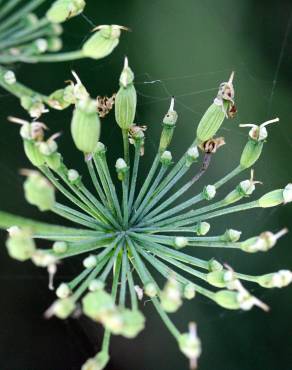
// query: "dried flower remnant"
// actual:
[[124, 238]]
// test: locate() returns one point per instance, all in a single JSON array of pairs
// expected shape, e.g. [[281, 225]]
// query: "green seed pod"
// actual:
[[96, 304], [33, 105], [20, 244], [121, 168], [170, 297], [251, 153], [96, 284], [210, 122], [231, 235], [63, 308], [150, 290], [60, 247], [33, 153], [180, 241], [227, 299], [85, 126], [223, 106], [54, 161], [166, 158], [98, 362], [278, 279], [63, 291], [209, 192], [190, 345], [61, 10], [54, 44], [254, 146], [192, 155], [57, 99], [271, 199], [262, 243], [133, 323], [202, 228], [189, 291], [126, 99], [216, 278], [39, 192], [102, 42], [214, 265], [169, 122]]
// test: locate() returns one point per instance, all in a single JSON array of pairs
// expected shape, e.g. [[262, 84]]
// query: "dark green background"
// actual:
[[190, 46]]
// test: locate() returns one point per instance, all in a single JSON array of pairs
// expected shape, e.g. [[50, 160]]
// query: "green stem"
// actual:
[[126, 147], [165, 271], [111, 263], [77, 294], [112, 187], [27, 34], [207, 216], [7, 220], [159, 193], [125, 202], [20, 13], [124, 275], [5, 9], [147, 182], [153, 246], [145, 276], [95, 182], [187, 203], [44, 58], [134, 300], [192, 242], [149, 194], [76, 217], [18, 89], [134, 176], [102, 177]]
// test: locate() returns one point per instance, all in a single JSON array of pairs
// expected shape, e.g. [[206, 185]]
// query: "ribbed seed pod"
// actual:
[[126, 99], [85, 126], [61, 10], [20, 244], [251, 153], [33, 153], [102, 42], [223, 106], [39, 192], [169, 122], [272, 199], [227, 299], [210, 122]]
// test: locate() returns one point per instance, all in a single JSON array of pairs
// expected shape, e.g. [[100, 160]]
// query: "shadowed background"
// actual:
[[185, 49]]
